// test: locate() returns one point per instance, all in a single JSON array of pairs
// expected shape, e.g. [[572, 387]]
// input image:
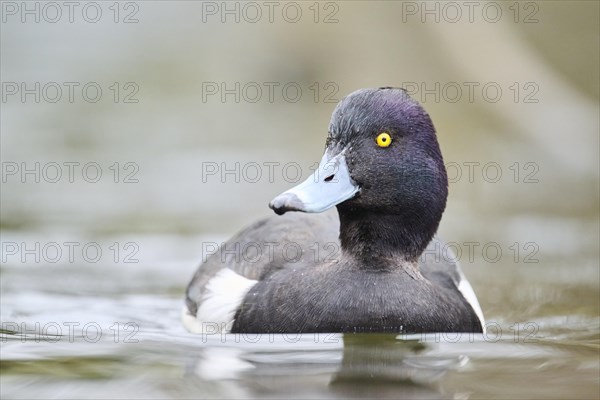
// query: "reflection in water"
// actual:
[[382, 366], [350, 365], [166, 362]]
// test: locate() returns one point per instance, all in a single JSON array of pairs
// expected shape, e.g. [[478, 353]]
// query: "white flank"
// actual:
[[467, 291], [223, 296]]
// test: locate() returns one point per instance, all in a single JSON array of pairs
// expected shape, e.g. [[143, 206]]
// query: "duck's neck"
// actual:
[[369, 236]]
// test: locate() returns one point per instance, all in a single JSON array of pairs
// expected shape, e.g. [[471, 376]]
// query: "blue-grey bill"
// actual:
[[330, 185]]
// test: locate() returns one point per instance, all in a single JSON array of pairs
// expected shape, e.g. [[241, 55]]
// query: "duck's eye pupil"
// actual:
[[383, 139]]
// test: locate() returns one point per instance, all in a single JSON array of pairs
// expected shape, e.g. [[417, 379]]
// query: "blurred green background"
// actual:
[[170, 53]]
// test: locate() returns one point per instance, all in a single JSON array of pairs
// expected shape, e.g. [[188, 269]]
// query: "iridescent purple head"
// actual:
[[381, 158]]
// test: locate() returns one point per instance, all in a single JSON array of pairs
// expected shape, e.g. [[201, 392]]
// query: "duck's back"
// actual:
[[293, 240], [286, 268]]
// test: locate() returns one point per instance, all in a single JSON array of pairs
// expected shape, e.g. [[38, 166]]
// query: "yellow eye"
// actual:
[[383, 139]]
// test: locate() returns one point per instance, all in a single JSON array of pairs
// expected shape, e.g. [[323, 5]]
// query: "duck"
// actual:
[[353, 248]]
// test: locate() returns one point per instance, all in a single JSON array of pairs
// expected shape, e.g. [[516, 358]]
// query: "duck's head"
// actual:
[[382, 162]]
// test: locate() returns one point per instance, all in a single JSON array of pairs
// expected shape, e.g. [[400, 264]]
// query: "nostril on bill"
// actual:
[[329, 178]]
